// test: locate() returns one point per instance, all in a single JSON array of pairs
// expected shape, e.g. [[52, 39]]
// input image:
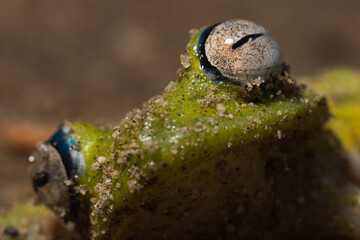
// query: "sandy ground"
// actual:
[[95, 60]]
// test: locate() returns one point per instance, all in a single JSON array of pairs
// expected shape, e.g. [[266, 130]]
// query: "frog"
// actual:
[[234, 148]]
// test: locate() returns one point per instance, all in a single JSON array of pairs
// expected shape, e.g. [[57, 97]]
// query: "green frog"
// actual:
[[234, 148]]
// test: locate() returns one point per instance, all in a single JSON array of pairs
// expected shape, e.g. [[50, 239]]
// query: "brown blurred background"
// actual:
[[94, 60]]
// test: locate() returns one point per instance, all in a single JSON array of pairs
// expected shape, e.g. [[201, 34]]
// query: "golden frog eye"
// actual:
[[239, 50]]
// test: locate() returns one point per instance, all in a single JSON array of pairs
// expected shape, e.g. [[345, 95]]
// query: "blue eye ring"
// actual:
[[211, 72], [65, 143]]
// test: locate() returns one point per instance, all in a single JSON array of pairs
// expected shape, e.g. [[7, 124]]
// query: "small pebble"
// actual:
[[11, 232]]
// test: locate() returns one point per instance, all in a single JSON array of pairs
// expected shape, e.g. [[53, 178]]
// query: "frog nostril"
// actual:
[[40, 179], [245, 39]]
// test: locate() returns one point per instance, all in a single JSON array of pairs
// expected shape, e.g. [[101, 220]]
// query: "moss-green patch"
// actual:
[[94, 142], [28, 220], [342, 87], [35, 222], [183, 140], [22, 212]]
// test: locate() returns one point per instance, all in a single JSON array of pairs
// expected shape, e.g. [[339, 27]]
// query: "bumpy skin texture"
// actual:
[[201, 160], [305, 188]]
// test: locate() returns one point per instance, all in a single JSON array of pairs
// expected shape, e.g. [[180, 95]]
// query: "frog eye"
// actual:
[[48, 176], [239, 50], [54, 166]]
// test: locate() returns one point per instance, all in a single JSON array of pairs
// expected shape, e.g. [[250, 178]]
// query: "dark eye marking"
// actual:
[[245, 39], [40, 179]]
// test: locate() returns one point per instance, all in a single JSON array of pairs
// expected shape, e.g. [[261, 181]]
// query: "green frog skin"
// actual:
[[214, 156]]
